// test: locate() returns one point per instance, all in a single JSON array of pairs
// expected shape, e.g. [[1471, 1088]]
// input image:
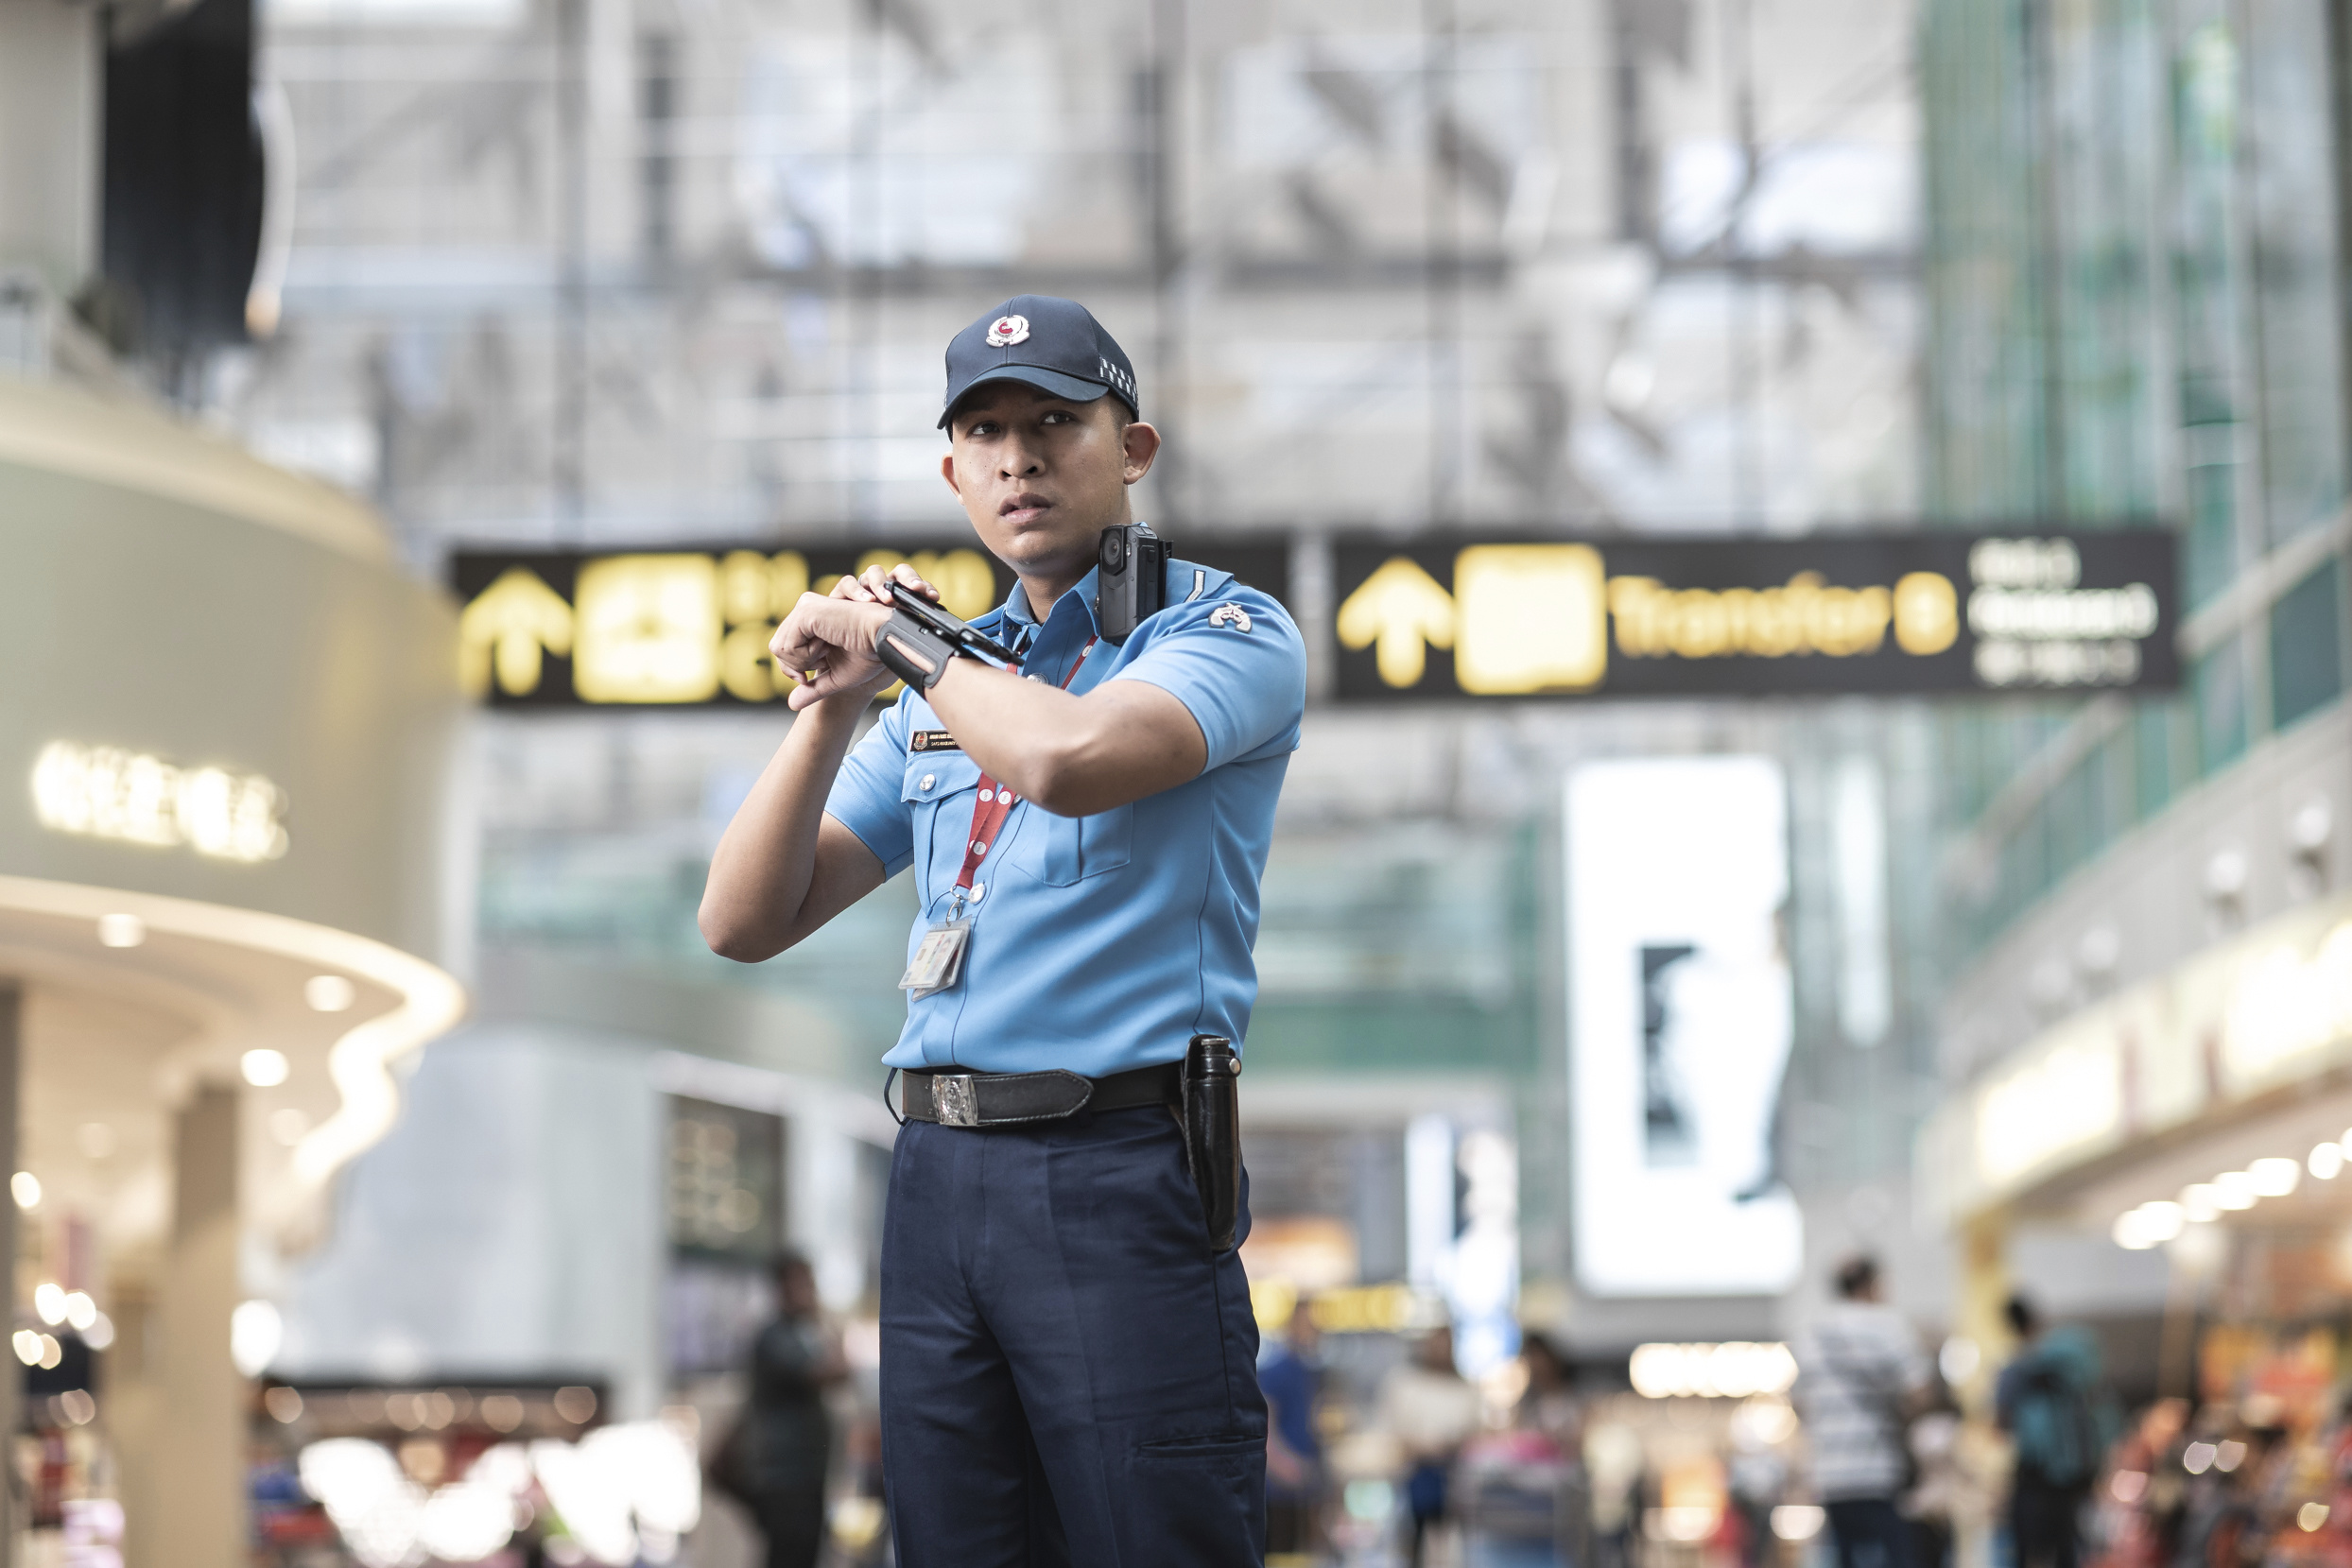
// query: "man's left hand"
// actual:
[[830, 639]]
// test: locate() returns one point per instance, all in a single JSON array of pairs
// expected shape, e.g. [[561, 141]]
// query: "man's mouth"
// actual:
[[1025, 507]]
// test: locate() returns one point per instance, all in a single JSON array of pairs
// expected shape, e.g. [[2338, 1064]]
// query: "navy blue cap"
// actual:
[[1055, 345]]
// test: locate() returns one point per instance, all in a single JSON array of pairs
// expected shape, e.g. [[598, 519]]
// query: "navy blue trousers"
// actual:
[[1068, 1374]]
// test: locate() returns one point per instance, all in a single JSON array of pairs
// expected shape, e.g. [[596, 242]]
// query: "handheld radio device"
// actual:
[[958, 634]]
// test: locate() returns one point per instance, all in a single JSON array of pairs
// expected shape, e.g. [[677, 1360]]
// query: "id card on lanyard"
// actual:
[[938, 962]]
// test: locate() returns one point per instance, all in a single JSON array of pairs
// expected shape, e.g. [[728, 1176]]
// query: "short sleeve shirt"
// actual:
[[1856, 1365], [1104, 942]]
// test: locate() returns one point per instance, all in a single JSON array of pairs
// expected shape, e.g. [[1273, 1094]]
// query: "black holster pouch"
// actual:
[[1212, 1112]]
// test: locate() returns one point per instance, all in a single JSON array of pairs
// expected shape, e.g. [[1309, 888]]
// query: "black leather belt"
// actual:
[[1008, 1099]]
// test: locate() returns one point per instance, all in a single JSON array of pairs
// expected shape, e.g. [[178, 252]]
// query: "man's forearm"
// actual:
[[1071, 756], [766, 861]]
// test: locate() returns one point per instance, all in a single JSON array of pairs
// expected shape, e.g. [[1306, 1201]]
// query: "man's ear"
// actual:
[[1142, 445], [947, 472]]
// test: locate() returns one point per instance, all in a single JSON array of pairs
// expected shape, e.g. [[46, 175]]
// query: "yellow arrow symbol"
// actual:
[[508, 624], [1401, 607]]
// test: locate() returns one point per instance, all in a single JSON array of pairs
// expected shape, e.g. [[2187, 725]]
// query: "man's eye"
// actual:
[[1060, 416]]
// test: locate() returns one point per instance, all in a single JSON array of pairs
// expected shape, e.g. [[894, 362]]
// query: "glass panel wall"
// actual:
[[2134, 315]]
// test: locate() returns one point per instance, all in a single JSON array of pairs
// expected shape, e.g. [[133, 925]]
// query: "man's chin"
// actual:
[[1045, 545]]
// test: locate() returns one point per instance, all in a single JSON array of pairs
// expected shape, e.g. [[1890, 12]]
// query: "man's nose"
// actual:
[[1017, 460]]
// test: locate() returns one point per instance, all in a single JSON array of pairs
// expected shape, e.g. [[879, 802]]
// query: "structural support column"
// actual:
[[1983, 1292], [198, 1494], [11, 1378], [1984, 1296], [49, 93]]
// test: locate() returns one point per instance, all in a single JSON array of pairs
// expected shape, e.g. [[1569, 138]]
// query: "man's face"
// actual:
[[1041, 476]]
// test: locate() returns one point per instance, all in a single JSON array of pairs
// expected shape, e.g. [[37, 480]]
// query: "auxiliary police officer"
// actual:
[[1068, 1348]]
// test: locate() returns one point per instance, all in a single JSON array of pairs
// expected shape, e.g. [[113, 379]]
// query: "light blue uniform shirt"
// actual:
[[1102, 942]]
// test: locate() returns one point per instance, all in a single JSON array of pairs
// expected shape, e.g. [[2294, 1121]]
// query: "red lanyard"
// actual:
[[997, 802]]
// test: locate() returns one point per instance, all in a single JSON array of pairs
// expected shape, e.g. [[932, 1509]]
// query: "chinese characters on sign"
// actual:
[[663, 627], [1926, 612], [1922, 611], [107, 792], [690, 627]]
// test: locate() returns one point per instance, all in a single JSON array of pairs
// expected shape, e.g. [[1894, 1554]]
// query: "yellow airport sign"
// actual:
[[1925, 612]]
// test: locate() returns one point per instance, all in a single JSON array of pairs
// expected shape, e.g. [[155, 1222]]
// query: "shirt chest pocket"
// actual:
[[941, 789], [1079, 847]]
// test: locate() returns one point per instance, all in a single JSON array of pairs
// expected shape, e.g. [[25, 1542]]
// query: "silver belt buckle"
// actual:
[[953, 1100]]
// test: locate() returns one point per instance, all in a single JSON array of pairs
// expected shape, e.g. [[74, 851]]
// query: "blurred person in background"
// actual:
[[1431, 1410], [773, 1460], [2048, 1400], [1549, 1404], [1862, 1376], [1289, 1373], [1941, 1489], [1615, 1464], [1520, 1503], [1758, 1479]]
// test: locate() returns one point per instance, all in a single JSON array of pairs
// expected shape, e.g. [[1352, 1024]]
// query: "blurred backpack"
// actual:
[[2058, 1419]]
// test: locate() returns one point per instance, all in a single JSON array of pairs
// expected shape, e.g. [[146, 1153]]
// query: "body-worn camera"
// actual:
[[1131, 585]]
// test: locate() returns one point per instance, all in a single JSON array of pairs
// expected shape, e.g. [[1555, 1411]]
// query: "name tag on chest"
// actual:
[[933, 740]]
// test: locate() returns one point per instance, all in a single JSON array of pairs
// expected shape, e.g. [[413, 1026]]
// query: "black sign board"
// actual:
[[1909, 612], [672, 627]]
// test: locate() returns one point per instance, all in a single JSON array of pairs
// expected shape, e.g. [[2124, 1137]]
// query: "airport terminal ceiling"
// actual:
[[686, 274]]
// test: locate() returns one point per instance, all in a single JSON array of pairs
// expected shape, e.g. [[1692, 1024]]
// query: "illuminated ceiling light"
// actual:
[[2233, 1189], [2128, 1233], [1799, 1521], [255, 1330], [100, 1334], [2161, 1219], [49, 1301], [265, 1068], [26, 1188], [2275, 1177], [2326, 1161], [359, 1063], [329, 993], [121, 931], [376, 1506], [2097, 952], [2311, 826], [2226, 876], [466, 1522], [2201, 1201], [80, 1311]]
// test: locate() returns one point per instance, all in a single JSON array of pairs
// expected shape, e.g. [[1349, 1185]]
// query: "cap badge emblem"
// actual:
[[1007, 330]]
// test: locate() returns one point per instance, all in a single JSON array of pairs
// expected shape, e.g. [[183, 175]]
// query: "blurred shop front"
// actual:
[[2145, 1037], [2198, 1118], [223, 874]]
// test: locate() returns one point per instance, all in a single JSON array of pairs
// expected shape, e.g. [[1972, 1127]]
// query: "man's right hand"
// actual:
[[831, 638]]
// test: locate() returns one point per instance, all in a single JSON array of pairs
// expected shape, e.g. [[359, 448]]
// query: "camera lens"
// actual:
[[1113, 550]]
